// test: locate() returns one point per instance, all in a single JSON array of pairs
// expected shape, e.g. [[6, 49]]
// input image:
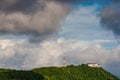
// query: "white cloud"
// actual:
[[83, 23], [83, 17], [50, 53], [5, 43]]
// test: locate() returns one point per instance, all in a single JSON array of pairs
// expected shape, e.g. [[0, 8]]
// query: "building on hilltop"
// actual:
[[93, 65]]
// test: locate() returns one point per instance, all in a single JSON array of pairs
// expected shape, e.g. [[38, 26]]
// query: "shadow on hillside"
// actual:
[[23, 75]]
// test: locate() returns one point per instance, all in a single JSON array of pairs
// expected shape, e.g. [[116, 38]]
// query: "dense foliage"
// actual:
[[81, 72], [6, 74]]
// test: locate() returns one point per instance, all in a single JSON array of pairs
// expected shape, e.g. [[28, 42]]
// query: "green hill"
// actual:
[[81, 72], [7, 74]]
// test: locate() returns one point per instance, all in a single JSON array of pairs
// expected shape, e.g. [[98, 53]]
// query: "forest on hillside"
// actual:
[[71, 72]]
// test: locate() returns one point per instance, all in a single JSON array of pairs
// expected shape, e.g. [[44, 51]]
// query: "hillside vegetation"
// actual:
[[81, 72], [7, 74]]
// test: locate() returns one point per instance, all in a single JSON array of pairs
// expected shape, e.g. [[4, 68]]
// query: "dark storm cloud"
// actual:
[[23, 5], [16, 5], [70, 1], [34, 18], [115, 0], [110, 18]]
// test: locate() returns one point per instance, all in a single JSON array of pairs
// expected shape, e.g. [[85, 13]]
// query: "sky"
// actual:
[[37, 33], [84, 24]]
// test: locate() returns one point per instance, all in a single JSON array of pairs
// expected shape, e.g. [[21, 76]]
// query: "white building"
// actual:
[[93, 65]]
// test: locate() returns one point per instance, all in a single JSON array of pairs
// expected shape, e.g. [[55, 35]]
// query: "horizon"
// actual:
[[36, 33]]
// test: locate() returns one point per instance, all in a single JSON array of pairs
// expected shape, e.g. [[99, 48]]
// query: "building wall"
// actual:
[[93, 65]]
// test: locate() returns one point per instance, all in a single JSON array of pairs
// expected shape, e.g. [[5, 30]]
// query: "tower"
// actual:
[[64, 60], [23, 66]]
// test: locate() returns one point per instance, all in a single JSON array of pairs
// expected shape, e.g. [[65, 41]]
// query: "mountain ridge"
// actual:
[[70, 72]]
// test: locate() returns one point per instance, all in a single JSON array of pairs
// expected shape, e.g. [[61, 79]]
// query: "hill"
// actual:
[[81, 72], [7, 74]]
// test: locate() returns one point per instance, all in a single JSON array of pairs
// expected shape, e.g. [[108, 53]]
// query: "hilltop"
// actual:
[[71, 72]]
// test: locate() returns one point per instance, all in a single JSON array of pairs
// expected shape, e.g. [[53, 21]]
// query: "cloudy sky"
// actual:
[[37, 33]]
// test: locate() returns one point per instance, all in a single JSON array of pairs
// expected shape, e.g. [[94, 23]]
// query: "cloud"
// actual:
[[110, 18], [115, 0], [84, 22], [70, 1], [50, 53], [41, 23], [16, 5], [38, 19]]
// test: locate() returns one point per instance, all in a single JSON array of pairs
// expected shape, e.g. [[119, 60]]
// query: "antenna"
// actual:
[[23, 66], [64, 60]]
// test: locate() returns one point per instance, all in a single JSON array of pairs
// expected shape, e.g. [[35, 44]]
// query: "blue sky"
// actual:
[[83, 23], [80, 35]]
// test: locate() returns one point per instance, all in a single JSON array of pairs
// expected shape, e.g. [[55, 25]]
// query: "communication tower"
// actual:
[[23, 66], [64, 60]]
